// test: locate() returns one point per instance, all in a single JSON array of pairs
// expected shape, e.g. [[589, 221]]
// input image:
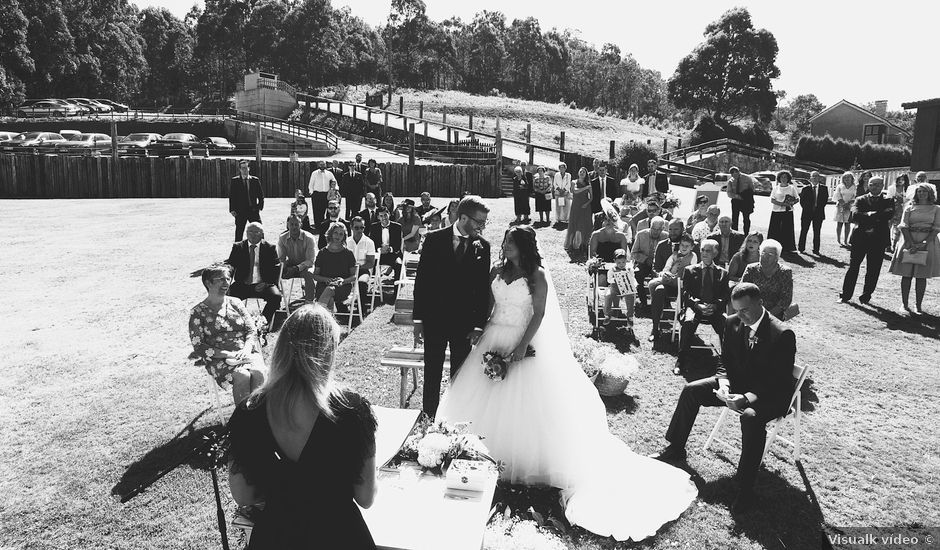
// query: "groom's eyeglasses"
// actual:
[[481, 225]]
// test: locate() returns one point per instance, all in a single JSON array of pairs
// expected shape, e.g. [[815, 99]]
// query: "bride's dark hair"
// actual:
[[523, 236]]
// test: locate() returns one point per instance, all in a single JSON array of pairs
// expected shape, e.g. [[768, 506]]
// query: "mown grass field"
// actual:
[[98, 393]]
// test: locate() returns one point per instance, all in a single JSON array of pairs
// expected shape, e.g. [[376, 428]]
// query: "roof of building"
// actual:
[[921, 103], [866, 111]]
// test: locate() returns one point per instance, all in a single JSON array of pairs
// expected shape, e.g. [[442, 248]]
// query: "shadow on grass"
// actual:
[[183, 448], [927, 326], [577, 256], [823, 259], [619, 403], [797, 259], [808, 396]]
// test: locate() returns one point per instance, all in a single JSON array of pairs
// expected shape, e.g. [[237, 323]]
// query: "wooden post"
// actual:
[[649, 142], [665, 145], [470, 124], [679, 145], [445, 114], [425, 128], [456, 136], [385, 128], [528, 141], [341, 108], [421, 109], [497, 122], [613, 146], [258, 146], [411, 156], [404, 123], [369, 115], [498, 143], [114, 156], [561, 141], [401, 105], [448, 134]]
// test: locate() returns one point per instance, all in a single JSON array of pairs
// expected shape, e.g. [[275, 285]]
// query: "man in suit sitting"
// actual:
[[256, 270], [386, 235], [755, 378], [871, 215], [643, 252], [370, 213], [705, 292], [813, 199], [729, 241], [332, 216], [245, 199]]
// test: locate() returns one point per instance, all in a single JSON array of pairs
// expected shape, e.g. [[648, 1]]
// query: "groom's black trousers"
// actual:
[[436, 338], [753, 428]]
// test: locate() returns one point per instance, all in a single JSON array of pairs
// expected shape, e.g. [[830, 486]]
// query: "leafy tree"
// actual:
[[308, 52], [262, 34], [15, 60], [169, 54], [486, 51], [419, 49], [52, 48], [799, 110], [525, 57], [730, 73]]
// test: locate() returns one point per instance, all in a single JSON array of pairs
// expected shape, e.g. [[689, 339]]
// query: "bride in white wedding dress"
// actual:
[[545, 420]]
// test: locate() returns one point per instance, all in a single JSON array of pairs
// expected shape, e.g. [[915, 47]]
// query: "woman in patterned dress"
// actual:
[[845, 197], [224, 336], [920, 226]]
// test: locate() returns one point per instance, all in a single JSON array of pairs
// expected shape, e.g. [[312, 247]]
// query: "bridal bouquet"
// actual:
[[437, 444], [495, 365]]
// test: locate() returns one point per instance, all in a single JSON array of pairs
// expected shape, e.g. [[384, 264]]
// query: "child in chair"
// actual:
[[621, 286]]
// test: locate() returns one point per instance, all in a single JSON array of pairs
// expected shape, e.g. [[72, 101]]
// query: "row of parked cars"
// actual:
[[73, 106], [142, 144]]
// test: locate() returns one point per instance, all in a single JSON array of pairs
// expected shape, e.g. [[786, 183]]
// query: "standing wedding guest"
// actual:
[[358, 164], [373, 177], [411, 224], [304, 446], [363, 249], [355, 189], [667, 282], [297, 251], [580, 222], [245, 199], [521, 189], [644, 252], [561, 182], [700, 213], [729, 241], [542, 188], [774, 279], [741, 192], [920, 177], [451, 295], [335, 270], [845, 197], [334, 194], [602, 185], [919, 226], [754, 378], [451, 215], [863, 180], [705, 292], [705, 227], [224, 336], [319, 186], [425, 205], [871, 215], [783, 197], [299, 208], [747, 255], [656, 181], [813, 200], [332, 216], [256, 270], [388, 201], [901, 184], [631, 187], [370, 213]]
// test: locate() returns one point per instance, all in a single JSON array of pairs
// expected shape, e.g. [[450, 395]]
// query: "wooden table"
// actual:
[[413, 510]]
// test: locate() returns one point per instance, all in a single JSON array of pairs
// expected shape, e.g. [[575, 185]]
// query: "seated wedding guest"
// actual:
[[653, 209], [451, 216], [363, 249], [304, 446], [626, 216], [224, 336], [299, 208], [386, 235], [700, 214], [643, 252], [332, 216], [256, 267], [729, 241], [606, 240], [425, 205], [705, 292], [774, 279], [668, 246], [748, 254], [388, 201], [370, 213], [666, 283], [411, 225], [432, 220], [755, 378], [704, 228], [297, 250], [335, 270], [619, 282]]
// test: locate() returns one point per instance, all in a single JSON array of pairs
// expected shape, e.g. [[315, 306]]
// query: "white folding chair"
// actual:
[[375, 282], [355, 302], [216, 404], [674, 311], [799, 373]]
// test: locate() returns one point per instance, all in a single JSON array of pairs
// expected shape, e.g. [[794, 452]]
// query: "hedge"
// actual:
[[845, 154]]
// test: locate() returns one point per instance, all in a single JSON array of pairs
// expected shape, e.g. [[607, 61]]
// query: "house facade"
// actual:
[[925, 151], [850, 122]]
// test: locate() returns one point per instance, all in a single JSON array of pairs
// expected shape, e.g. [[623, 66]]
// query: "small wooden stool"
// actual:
[[406, 359]]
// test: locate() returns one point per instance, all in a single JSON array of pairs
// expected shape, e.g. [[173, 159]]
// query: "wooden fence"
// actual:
[[69, 177]]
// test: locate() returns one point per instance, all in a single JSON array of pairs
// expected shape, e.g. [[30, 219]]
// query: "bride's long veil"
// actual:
[[551, 340]]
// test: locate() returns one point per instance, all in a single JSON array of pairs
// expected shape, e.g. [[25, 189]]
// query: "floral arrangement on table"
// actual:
[[670, 201], [614, 370], [594, 265], [496, 365], [434, 445]]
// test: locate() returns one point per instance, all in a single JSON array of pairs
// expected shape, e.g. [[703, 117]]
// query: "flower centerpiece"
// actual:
[[670, 201], [594, 265], [434, 445], [614, 370]]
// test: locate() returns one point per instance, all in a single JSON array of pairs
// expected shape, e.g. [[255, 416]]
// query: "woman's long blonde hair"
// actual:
[[302, 363]]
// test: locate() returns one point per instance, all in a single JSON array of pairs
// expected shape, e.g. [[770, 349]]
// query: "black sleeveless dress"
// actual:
[[309, 503]]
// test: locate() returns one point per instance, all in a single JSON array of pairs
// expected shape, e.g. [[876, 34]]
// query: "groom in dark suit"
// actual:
[[451, 295], [755, 379]]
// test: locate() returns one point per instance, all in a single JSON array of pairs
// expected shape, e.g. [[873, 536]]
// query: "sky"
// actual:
[[861, 50]]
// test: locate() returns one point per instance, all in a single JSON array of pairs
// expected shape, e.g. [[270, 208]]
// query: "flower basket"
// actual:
[[614, 371], [610, 385]]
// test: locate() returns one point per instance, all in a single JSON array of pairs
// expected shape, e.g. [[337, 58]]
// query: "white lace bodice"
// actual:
[[513, 303]]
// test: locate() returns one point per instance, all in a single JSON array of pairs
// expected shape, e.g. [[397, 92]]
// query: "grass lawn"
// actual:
[[99, 395]]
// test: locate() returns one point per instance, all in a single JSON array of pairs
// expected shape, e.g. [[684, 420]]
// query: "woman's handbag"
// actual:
[[916, 258]]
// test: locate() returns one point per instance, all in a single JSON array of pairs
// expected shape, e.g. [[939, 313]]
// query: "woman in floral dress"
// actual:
[[845, 197], [224, 336]]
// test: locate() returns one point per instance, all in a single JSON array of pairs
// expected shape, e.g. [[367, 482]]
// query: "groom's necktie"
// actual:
[[461, 248]]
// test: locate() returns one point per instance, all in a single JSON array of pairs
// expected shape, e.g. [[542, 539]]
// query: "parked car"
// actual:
[[764, 182], [39, 140], [85, 143], [721, 180], [69, 134], [92, 106], [175, 144], [115, 106], [47, 108], [7, 136], [218, 145], [137, 144]]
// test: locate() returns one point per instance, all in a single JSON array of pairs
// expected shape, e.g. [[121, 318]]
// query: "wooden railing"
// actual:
[[687, 154], [298, 129]]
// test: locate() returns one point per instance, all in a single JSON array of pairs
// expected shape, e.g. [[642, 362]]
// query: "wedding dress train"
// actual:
[[547, 424]]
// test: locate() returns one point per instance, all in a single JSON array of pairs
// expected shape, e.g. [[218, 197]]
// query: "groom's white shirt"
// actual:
[[457, 236]]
